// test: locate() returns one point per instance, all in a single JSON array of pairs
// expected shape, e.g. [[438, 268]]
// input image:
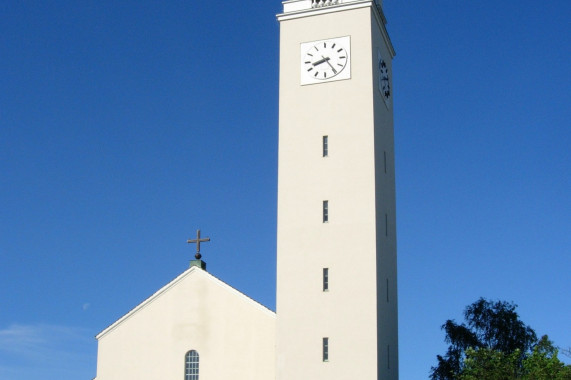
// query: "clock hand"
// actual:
[[330, 65], [321, 61]]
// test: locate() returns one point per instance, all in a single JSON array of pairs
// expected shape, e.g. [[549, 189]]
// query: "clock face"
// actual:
[[384, 78], [325, 60]]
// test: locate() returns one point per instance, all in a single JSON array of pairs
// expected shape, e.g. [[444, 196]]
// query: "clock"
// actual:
[[384, 78], [325, 60]]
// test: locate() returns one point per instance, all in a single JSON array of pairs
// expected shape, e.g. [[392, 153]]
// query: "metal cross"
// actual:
[[198, 240]]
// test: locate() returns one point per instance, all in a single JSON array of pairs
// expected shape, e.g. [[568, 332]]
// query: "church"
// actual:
[[336, 294]]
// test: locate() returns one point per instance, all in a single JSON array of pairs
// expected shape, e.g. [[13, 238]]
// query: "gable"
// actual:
[[195, 311], [182, 280]]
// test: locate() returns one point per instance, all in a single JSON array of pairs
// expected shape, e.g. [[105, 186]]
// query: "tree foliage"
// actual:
[[539, 364], [485, 363], [493, 344], [543, 363], [494, 326]]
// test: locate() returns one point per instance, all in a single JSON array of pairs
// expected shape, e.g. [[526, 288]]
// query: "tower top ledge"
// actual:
[[301, 5], [300, 8]]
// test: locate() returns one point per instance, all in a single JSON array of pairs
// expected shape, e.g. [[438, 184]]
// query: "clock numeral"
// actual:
[[311, 68], [324, 75], [333, 47], [340, 65], [311, 55], [307, 62], [340, 50]]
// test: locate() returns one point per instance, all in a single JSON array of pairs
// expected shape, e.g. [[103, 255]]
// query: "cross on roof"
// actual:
[[198, 240]]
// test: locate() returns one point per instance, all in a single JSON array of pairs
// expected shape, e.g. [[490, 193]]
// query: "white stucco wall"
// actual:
[[354, 244], [233, 334]]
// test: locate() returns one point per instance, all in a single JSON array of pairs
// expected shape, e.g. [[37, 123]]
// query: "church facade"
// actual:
[[336, 315], [185, 330]]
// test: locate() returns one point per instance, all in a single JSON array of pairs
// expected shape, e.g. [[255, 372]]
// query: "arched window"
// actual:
[[191, 365]]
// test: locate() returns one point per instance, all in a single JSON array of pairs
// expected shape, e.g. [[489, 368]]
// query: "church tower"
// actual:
[[336, 263]]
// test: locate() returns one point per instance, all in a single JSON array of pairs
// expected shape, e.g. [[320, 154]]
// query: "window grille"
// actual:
[[325, 349], [191, 365]]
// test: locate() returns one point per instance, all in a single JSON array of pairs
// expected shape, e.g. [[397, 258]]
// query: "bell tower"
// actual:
[[336, 246]]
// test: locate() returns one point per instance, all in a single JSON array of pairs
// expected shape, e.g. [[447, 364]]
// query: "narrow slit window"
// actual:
[[386, 225], [325, 349], [325, 146], [388, 356], [191, 365], [385, 154], [325, 211], [387, 290], [325, 279]]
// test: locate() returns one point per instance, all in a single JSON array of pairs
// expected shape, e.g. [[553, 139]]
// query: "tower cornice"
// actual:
[[293, 9]]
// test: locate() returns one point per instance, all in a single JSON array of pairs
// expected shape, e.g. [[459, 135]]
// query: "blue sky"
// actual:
[[125, 126]]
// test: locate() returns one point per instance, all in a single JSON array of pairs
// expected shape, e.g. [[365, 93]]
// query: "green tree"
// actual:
[[539, 364], [488, 325], [488, 364], [543, 363], [493, 344]]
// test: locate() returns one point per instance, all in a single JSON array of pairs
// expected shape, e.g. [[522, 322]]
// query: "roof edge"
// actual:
[[172, 283]]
